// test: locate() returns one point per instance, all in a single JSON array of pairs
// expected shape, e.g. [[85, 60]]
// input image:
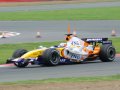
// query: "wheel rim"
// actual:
[[111, 53], [54, 58]]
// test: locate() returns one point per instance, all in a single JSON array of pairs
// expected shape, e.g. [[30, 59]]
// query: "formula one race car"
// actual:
[[70, 52]]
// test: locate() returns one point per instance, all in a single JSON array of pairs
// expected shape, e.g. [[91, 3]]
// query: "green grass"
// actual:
[[104, 13], [67, 80], [116, 43], [7, 49]]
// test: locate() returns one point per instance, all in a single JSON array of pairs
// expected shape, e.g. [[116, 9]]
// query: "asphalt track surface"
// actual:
[[52, 31], [96, 68], [56, 30]]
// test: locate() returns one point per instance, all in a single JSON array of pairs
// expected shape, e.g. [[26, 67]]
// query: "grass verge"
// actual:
[[7, 49], [66, 80], [104, 13]]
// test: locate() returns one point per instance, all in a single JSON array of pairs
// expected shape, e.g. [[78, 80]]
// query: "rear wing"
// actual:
[[97, 40]]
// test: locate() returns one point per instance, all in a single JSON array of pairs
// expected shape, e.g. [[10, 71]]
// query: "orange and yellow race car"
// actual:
[[75, 50]]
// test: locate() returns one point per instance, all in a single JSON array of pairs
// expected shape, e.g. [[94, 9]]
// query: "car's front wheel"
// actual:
[[51, 57], [17, 53]]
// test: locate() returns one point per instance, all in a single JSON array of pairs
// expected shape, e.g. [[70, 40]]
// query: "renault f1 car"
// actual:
[[102, 48]]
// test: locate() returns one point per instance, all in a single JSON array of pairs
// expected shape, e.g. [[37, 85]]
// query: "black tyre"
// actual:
[[51, 57], [107, 53], [19, 53], [22, 64], [16, 54]]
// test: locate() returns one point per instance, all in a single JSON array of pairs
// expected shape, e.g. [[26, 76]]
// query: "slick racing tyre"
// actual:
[[16, 54], [21, 64], [107, 53], [51, 57], [19, 53]]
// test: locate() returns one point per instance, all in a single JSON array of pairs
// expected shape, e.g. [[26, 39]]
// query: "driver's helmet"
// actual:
[[68, 37]]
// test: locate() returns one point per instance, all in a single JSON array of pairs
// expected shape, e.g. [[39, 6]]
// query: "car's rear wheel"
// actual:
[[51, 57], [107, 53]]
